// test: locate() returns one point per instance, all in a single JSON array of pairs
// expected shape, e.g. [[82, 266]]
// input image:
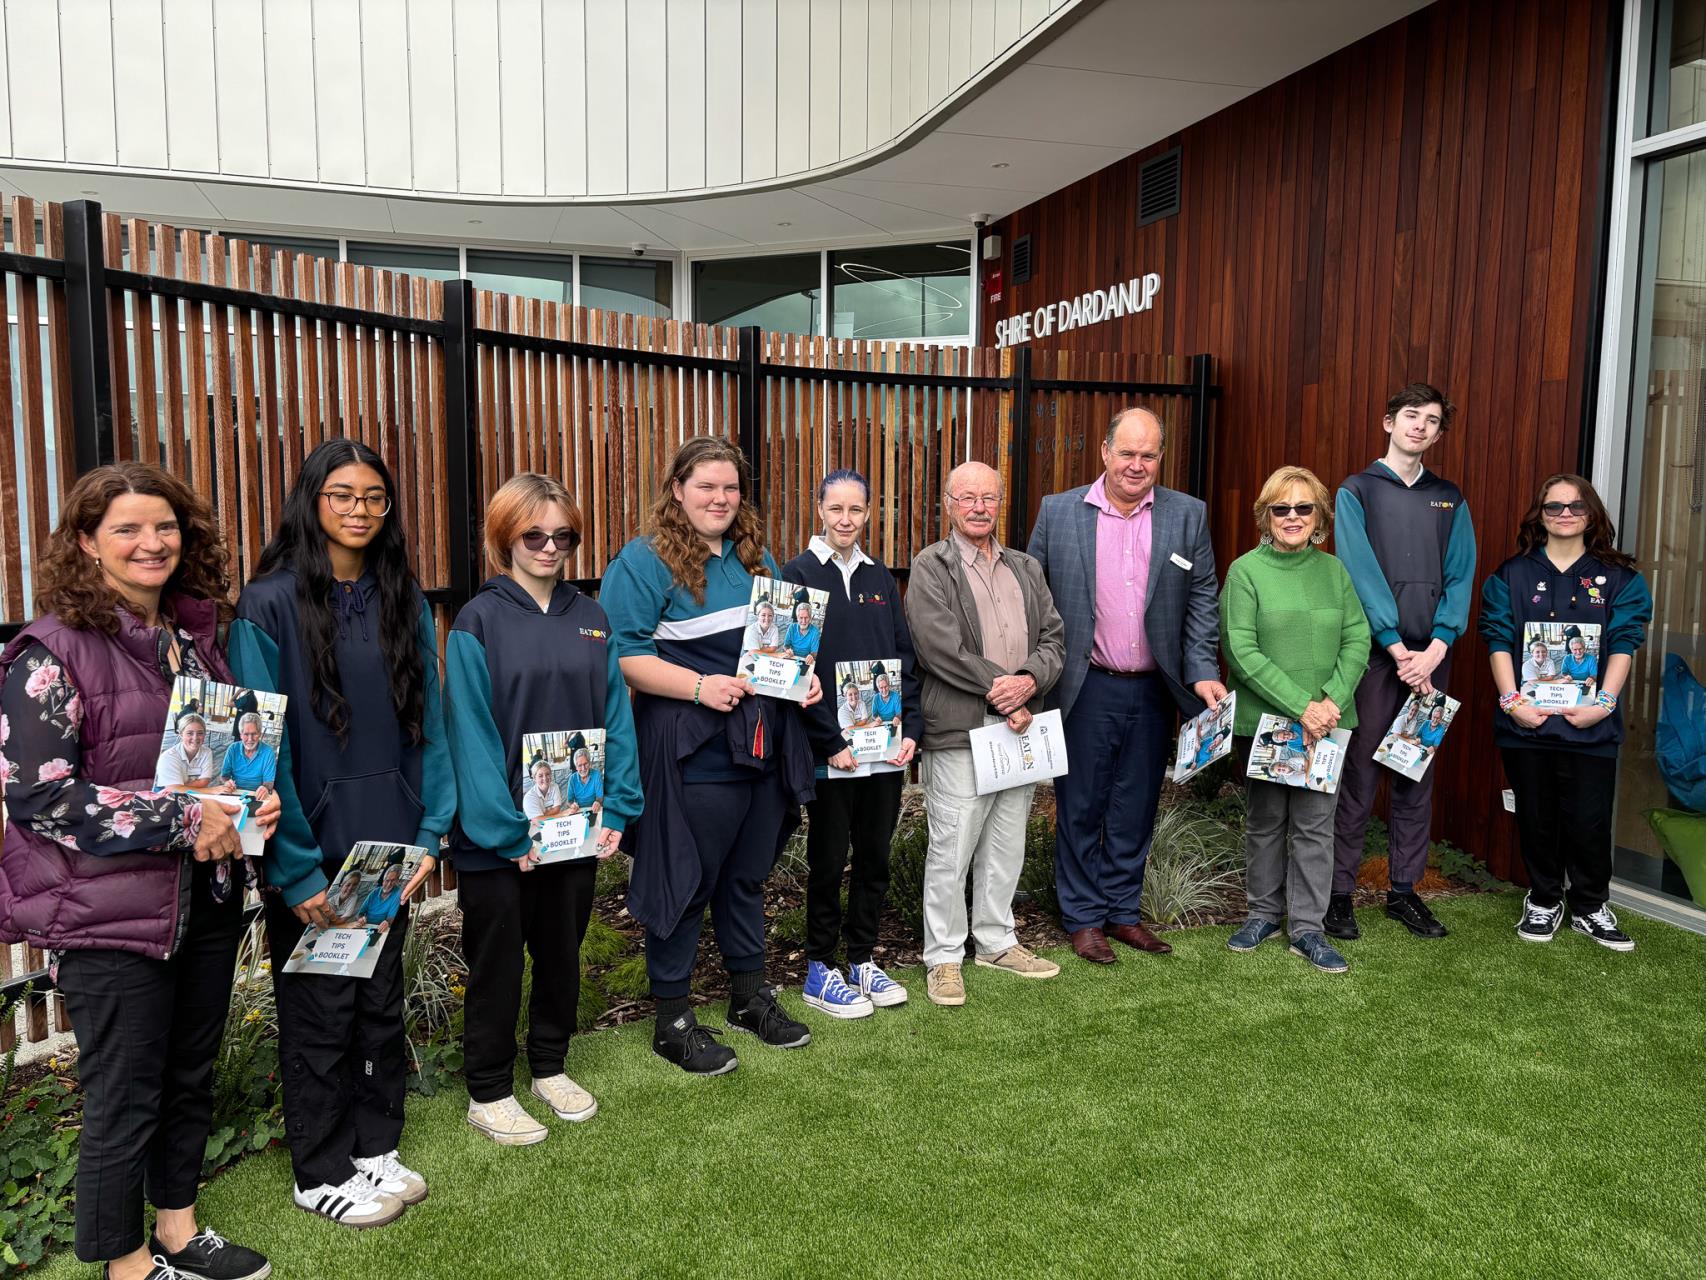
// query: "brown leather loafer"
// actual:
[[1138, 936], [1092, 944]]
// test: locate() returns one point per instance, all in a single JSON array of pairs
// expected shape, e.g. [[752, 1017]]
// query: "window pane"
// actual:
[[912, 291], [1679, 66], [529, 275], [295, 244], [638, 286], [782, 294], [417, 260], [1663, 520]]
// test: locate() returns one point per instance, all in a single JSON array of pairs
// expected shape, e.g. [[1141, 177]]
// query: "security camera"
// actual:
[[980, 220], [639, 249]]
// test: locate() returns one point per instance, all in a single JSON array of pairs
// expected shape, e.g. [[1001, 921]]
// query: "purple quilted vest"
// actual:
[[59, 898]]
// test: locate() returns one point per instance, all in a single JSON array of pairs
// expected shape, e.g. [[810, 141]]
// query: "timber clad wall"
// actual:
[[1425, 204]]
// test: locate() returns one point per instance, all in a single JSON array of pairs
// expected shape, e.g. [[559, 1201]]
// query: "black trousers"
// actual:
[[341, 1052], [1563, 814], [863, 811], [147, 1035], [504, 912], [735, 826]]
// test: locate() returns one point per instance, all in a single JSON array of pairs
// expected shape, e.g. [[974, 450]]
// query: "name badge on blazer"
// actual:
[[1179, 560]]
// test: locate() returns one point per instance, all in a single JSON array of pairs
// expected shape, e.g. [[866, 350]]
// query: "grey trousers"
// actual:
[[1288, 855]]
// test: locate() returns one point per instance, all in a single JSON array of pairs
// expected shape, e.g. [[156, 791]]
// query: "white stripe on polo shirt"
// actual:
[[706, 624]]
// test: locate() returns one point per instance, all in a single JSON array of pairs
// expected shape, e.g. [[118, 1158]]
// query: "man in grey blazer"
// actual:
[[1131, 569]]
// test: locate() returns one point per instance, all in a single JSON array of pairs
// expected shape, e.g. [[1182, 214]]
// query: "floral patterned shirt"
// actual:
[[41, 714]]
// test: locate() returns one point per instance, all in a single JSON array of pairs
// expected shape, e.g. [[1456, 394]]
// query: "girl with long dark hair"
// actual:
[[335, 620], [724, 770], [530, 654], [1567, 594], [127, 882]]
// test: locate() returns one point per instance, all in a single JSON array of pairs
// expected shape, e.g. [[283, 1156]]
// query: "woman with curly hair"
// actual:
[[128, 888], [723, 770], [335, 620]]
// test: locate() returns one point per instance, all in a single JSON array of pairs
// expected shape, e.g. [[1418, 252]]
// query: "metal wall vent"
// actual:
[[1158, 188], [1021, 259]]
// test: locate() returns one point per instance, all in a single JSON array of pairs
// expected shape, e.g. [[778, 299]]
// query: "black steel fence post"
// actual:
[[89, 342], [748, 406], [1202, 391], [462, 443], [1019, 501]]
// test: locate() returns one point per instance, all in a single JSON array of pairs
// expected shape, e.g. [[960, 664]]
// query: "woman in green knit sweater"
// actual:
[[1296, 640]]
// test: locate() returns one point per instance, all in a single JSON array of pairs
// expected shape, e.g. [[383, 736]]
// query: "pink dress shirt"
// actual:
[[1122, 582]]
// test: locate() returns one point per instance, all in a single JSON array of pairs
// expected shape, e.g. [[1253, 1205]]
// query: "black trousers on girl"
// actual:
[[863, 811], [341, 1052], [147, 1035], [735, 825], [1563, 816], [504, 912]]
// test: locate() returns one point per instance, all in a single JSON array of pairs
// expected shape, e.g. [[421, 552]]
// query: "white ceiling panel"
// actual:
[[958, 203], [173, 201], [308, 211], [672, 226], [590, 224], [443, 218]]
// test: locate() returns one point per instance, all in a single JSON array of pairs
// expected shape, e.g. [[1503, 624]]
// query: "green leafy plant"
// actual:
[[1036, 877], [907, 852], [248, 1095], [38, 1146], [434, 983], [1454, 863]]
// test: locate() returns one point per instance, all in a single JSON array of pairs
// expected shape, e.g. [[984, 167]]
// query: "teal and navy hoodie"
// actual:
[[512, 670], [1528, 588], [1410, 551], [376, 787]]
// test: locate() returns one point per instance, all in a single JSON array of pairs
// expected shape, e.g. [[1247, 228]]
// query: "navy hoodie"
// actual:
[[512, 670], [378, 786], [1528, 588]]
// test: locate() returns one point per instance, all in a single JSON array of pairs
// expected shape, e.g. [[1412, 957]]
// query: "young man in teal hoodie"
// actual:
[[1405, 535]]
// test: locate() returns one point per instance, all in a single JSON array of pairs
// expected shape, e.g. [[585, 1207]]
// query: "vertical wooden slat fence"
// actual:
[[229, 361]]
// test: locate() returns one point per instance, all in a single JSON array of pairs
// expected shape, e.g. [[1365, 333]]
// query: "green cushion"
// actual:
[[1683, 836]]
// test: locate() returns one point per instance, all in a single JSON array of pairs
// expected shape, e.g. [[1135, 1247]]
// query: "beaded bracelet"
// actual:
[[1511, 699], [697, 686], [1607, 700]]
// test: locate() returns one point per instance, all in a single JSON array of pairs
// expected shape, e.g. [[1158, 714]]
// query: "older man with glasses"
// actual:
[[989, 646], [1132, 571]]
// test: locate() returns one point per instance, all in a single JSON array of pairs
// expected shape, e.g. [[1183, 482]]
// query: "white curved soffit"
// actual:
[[503, 101]]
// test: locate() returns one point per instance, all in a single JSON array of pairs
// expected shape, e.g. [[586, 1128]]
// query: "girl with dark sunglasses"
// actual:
[[529, 654]]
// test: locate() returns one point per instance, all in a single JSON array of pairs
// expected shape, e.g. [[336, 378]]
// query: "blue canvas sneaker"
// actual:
[[875, 985], [827, 990]]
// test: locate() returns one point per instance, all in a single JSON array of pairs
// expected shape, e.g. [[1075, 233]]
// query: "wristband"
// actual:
[[1607, 700], [1511, 699], [697, 686]]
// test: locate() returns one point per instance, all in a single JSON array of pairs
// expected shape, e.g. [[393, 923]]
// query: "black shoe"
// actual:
[[209, 1256], [692, 1047], [1601, 926], [1411, 912], [763, 1017], [1538, 923], [1340, 921]]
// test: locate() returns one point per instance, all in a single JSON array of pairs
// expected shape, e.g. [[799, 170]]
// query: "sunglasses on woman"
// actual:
[[535, 539], [1281, 510], [1576, 508]]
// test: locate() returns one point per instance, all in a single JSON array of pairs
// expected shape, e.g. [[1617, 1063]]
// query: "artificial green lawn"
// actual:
[[1472, 1107]]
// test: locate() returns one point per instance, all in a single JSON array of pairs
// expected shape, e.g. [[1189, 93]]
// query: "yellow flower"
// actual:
[[254, 1015], [458, 990]]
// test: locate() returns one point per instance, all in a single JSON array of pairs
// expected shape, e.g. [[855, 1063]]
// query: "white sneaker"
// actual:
[[392, 1177], [565, 1097], [354, 1203], [505, 1123]]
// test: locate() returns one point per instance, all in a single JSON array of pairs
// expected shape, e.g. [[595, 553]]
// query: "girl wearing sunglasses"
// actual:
[[1567, 582], [335, 620], [529, 654], [1296, 641]]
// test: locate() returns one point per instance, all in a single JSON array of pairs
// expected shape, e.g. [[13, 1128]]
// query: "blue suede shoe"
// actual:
[[1315, 948], [1252, 934]]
